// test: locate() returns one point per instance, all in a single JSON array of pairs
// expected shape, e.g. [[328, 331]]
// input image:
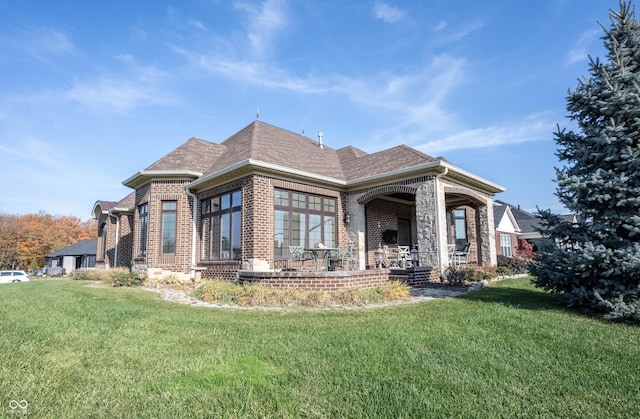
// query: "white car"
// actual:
[[13, 276]]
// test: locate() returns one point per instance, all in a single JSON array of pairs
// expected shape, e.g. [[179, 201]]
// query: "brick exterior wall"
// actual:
[[104, 262], [514, 242], [124, 242], [153, 194], [382, 215], [324, 281], [125, 247], [415, 277], [257, 228], [258, 222]]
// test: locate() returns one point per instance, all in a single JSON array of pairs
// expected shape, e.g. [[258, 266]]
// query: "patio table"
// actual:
[[321, 252]]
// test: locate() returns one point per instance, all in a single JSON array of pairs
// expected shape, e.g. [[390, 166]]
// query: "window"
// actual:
[[169, 216], [505, 245], [460, 227], [222, 226], [103, 241], [143, 212], [303, 220]]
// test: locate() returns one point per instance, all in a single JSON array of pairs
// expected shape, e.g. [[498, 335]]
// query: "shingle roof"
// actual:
[[526, 221], [83, 247], [498, 212], [107, 205], [267, 143], [127, 202], [194, 154], [399, 157], [263, 145]]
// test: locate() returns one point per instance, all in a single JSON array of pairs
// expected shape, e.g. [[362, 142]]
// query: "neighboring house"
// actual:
[[507, 229], [78, 256], [220, 208], [513, 224]]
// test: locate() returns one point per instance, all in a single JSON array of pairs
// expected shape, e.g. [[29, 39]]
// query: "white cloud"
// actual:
[[119, 94], [41, 43], [535, 127], [114, 94], [387, 13], [579, 51], [197, 24], [49, 41], [264, 24], [440, 26]]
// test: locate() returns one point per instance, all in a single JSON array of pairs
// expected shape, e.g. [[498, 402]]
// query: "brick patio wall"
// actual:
[[319, 281]]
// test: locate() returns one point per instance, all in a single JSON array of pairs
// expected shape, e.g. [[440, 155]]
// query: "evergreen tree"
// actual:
[[596, 262]]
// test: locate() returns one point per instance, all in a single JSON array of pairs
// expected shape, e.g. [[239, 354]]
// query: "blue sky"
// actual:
[[93, 92]]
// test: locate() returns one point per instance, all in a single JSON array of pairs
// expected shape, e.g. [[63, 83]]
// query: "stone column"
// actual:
[[356, 230], [427, 223], [487, 235]]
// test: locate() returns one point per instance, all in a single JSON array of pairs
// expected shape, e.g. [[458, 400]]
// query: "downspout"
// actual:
[[439, 216], [194, 215], [115, 256]]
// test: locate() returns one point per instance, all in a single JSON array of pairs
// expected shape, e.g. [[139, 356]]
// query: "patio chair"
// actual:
[[404, 254], [344, 258], [462, 256], [296, 253]]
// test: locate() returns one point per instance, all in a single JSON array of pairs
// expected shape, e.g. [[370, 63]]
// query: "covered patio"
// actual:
[[410, 228]]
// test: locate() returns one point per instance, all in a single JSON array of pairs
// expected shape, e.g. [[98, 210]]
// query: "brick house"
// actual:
[[216, 209]]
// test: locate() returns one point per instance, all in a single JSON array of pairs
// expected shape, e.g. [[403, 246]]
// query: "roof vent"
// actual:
[[320, 135]]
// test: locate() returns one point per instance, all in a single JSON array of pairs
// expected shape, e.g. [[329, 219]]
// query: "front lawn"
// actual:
[[507, 351]]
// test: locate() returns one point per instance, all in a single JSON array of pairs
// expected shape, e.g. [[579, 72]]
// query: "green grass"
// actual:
[[506, 351]]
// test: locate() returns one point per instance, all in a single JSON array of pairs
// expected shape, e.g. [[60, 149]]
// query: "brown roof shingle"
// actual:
[[270, 144], [194, 154]]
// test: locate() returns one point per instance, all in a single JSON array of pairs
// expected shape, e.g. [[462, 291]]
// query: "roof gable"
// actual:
[[503, 218]]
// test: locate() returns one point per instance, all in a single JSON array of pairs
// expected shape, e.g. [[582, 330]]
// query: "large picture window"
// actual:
[[303, 220], [221, 226], [169, 217]]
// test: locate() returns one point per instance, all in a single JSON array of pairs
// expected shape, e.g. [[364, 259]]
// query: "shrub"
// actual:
[[129, 279], [514, 264], [251, 294], [106, 275], [171, 281], [394, 290], [457, 275]]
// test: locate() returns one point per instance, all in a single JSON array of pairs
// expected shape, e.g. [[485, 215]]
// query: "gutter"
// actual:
[[194, 215]]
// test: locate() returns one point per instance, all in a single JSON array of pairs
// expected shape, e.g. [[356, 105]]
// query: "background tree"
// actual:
[[596, 262], [26, 239]]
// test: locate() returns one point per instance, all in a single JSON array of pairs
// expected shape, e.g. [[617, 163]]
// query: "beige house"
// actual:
[[215, 209]]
